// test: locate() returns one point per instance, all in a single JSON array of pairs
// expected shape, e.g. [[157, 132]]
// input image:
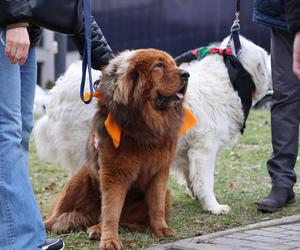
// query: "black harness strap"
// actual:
[[186, 57], [242, 82], [240, 78]]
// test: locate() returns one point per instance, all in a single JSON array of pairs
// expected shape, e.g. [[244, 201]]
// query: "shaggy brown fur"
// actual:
[[127, 185]]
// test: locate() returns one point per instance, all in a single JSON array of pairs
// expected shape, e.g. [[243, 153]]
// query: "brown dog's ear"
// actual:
[[117, 74], [140, 86], [123, 89], [132, 86]]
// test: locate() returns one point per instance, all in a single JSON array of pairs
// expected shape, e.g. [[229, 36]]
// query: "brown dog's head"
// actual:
[[135, 77], [144, 88]]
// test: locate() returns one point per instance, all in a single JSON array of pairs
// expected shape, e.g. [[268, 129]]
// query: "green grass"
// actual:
[[241, 179]]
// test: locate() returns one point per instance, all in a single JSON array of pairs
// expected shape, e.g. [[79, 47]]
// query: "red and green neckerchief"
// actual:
[[202, 52]]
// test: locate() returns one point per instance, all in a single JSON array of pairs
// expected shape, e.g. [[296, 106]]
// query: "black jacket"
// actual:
[[270, 13], [293, 15], [19, 11]]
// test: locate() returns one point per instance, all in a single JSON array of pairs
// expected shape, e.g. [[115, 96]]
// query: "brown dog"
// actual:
[[125, 179]]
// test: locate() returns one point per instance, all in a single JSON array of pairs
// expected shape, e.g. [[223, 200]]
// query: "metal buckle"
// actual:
[[236, 23]]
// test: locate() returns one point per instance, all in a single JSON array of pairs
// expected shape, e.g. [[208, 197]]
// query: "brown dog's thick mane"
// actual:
[[146, 129], [140, 128]]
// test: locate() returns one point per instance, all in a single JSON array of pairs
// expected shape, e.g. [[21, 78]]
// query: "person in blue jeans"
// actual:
[[281, 17], [21, 225]]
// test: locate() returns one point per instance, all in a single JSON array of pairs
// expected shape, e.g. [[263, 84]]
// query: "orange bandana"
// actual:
[[113, 129]]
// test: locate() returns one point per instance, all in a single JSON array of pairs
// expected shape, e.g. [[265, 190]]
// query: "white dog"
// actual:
[[61, 135]]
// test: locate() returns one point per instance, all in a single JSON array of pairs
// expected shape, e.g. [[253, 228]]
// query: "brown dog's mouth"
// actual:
[[166, 101], [181, 92]]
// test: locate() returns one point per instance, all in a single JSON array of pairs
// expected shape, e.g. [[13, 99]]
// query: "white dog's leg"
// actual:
[[180, 173], [202, 166]]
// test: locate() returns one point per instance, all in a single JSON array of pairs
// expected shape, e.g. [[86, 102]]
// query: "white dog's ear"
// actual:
[[261, 75]]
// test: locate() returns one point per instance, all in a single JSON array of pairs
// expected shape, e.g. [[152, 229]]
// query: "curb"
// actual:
[[203, 238], [270, 223]]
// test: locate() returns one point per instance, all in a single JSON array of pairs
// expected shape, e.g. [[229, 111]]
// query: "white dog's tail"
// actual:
[[42, 136]]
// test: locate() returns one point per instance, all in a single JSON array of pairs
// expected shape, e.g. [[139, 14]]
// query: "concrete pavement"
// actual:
[[278, 234]]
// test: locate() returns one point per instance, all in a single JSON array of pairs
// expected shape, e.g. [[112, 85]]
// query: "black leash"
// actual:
[[185, 58]]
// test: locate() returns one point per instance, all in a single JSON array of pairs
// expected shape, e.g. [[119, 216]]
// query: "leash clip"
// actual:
[[236, 23]]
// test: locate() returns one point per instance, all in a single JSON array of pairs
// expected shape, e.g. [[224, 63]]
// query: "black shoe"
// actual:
[[53, 244], [276, 200]]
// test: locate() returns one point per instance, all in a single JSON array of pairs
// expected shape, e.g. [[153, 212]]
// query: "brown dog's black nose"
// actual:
[[184, 75]]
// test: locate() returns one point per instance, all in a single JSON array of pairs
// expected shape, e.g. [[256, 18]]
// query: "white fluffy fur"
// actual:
[[40, 100], [62, 133]]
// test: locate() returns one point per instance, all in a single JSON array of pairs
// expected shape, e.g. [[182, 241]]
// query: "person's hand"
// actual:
[[17, 45], [296, 55]]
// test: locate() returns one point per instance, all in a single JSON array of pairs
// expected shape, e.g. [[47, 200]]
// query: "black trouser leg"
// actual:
[[285, 112]]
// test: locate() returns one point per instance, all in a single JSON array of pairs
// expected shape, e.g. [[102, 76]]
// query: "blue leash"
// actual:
[[86, 57]]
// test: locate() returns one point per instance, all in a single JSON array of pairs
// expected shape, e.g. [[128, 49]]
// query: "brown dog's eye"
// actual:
[[159, 65]]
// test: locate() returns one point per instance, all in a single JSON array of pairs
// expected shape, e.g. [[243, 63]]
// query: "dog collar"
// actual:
[[115, 132], [200, 53]]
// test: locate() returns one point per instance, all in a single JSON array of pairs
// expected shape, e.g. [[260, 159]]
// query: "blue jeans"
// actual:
[[21, 225]]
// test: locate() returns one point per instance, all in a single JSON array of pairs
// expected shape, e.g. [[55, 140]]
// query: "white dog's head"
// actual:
[[255, 61]]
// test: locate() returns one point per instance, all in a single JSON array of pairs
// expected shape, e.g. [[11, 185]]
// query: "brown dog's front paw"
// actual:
[[111, 244], [48, 224], [165, 231], [94, 232], [55, 226]]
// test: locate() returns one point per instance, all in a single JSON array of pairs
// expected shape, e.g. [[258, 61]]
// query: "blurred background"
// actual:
[[175, 26]]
